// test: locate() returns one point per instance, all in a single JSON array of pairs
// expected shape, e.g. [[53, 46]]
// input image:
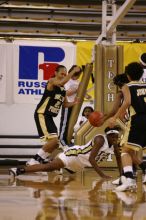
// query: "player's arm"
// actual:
[[116, 106], [58, 82], [98, 143], [125, 105]]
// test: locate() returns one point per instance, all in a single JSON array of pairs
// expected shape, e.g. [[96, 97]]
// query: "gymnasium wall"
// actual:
[[16, 110], [24, 70]]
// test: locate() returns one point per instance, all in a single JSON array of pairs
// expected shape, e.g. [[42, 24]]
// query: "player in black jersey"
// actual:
[[119, 80], [53, 98], [134, 94]]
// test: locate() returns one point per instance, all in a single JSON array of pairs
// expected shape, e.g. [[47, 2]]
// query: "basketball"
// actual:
[[95, 118]]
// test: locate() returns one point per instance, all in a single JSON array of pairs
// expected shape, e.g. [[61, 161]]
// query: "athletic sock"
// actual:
[[128, 172], [41, 156]]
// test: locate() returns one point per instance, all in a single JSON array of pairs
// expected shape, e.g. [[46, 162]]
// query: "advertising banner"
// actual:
[[35, 63]]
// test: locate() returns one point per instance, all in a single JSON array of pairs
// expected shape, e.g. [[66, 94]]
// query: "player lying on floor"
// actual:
[[77, 157]]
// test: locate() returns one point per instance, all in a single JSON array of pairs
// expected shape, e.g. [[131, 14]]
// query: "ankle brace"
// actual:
[[38, 158], [129, 175]]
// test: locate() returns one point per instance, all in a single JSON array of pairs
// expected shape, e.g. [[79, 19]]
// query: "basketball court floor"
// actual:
[[82, 196]]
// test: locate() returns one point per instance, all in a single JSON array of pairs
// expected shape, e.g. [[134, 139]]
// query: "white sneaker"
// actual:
[[144, 179], [127, 184], [127, 199], [32, 162], [13, 172], [117, 181], [16, 171]]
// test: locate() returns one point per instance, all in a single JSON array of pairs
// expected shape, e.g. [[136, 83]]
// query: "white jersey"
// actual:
[[71, 84], [81, 120], [143, 78], [77, 157]]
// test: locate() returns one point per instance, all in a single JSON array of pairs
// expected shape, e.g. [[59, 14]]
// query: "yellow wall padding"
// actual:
[[108, 63], [81, 93], [81, 133]]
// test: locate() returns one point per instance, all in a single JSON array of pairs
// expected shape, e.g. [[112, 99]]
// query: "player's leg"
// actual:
[[55, 164], [48, 133], [127, 178]]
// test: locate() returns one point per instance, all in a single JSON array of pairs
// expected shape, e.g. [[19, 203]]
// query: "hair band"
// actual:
[[112, 132]]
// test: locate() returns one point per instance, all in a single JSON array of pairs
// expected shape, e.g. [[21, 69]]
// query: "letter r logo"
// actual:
[[29, 61]]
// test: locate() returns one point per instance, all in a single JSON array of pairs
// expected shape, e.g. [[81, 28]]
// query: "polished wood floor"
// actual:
[[80, 196]]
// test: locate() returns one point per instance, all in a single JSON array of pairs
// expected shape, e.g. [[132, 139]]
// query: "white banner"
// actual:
[[34, 62], [2, 73]]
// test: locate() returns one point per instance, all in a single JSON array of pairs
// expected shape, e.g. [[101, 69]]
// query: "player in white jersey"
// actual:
[[76, 158], [71, 88], [142, 60]]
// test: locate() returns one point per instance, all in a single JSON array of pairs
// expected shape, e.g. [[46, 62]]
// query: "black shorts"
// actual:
[[45, 126], [137, 132], [64, 123]]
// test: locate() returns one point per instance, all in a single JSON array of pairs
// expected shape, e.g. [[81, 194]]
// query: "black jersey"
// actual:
[[138, 97], [51, 101]]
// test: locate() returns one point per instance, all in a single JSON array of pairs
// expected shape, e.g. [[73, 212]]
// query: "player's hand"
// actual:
[[76, 69]]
